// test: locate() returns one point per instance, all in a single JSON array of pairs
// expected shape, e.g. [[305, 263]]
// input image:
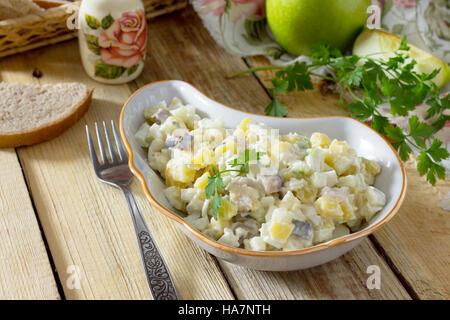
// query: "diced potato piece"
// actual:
[[175, 103], [187, 115], [278, 229], [298, 169], [228, 148], [324, 231], [217, 226], [340, 147], [302, 190], [343, 165], [292, 137], [202, 182], [292, 204], [159, 160], [320, 140], [369, 169], [354, 182], [295, 243], [349, 210], [156, 145], [203, 158], [371, 166], [173, 194], [242, 128], [340, 231], [228, 238], [252, 137], [228, 210], [255, 243], [337, 209], [150, 112], [284, 146], [371, 201], [330, 208], [142, 134], [198, 222], [195, 199], [375, 197], [354, 224], [155, 133], [316, 159], [311, 214], [172, 123], [331, 157]]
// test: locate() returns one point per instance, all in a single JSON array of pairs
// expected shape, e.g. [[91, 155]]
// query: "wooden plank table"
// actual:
[[50, 198]]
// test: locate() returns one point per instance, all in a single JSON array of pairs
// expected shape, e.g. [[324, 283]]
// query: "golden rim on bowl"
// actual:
[[332, 243]]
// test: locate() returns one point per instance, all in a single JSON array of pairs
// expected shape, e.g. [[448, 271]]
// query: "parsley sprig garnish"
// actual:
[[215, 187], [371, 82]]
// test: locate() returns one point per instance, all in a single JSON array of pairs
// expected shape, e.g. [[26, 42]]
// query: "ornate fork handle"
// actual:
[[158, 277]]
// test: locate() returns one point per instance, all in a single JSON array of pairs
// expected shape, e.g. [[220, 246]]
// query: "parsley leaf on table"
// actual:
[[276, 109], [428, 162]]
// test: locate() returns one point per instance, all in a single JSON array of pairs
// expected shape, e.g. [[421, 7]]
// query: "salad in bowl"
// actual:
[[254, 188]]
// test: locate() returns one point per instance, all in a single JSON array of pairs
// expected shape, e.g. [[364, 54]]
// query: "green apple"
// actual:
[[299, 24]]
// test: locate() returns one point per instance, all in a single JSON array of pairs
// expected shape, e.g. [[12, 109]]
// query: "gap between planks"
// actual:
[[408, 287]]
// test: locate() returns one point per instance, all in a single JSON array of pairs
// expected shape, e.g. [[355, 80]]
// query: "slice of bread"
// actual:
[[10, 9], [30, 114]]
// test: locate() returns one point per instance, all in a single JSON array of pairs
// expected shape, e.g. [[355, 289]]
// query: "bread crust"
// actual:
[[49, 131]]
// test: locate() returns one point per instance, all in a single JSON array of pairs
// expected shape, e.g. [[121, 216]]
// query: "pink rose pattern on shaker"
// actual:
[[121, 44], [124, 43]]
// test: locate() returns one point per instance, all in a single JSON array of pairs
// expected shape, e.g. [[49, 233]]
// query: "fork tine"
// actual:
[[91, 148], [122, 152], [112, 154], [100, 145]]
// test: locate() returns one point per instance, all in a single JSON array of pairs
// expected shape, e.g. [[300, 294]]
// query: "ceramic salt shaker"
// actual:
[[112, 39]]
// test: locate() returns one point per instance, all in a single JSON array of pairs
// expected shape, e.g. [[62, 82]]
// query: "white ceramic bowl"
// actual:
[[366, 142]]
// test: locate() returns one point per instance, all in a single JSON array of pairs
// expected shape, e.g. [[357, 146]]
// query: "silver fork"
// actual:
[[117, 173]]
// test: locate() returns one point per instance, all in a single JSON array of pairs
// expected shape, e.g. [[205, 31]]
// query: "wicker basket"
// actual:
[[32, 31]]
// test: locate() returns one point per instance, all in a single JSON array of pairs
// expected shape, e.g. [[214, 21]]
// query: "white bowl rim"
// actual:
[[239, 251]]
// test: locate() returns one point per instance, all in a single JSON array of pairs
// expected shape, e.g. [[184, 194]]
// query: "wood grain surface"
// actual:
[[25, 271], [87, 223]]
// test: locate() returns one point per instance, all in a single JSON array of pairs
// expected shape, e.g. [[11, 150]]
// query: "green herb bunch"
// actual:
[[372, 81], [215, 187]]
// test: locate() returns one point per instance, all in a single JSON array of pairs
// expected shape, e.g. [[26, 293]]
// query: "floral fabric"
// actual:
[[239, 26], [426, 23]]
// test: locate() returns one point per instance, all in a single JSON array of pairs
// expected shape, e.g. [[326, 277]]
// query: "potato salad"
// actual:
[[253, 188]]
